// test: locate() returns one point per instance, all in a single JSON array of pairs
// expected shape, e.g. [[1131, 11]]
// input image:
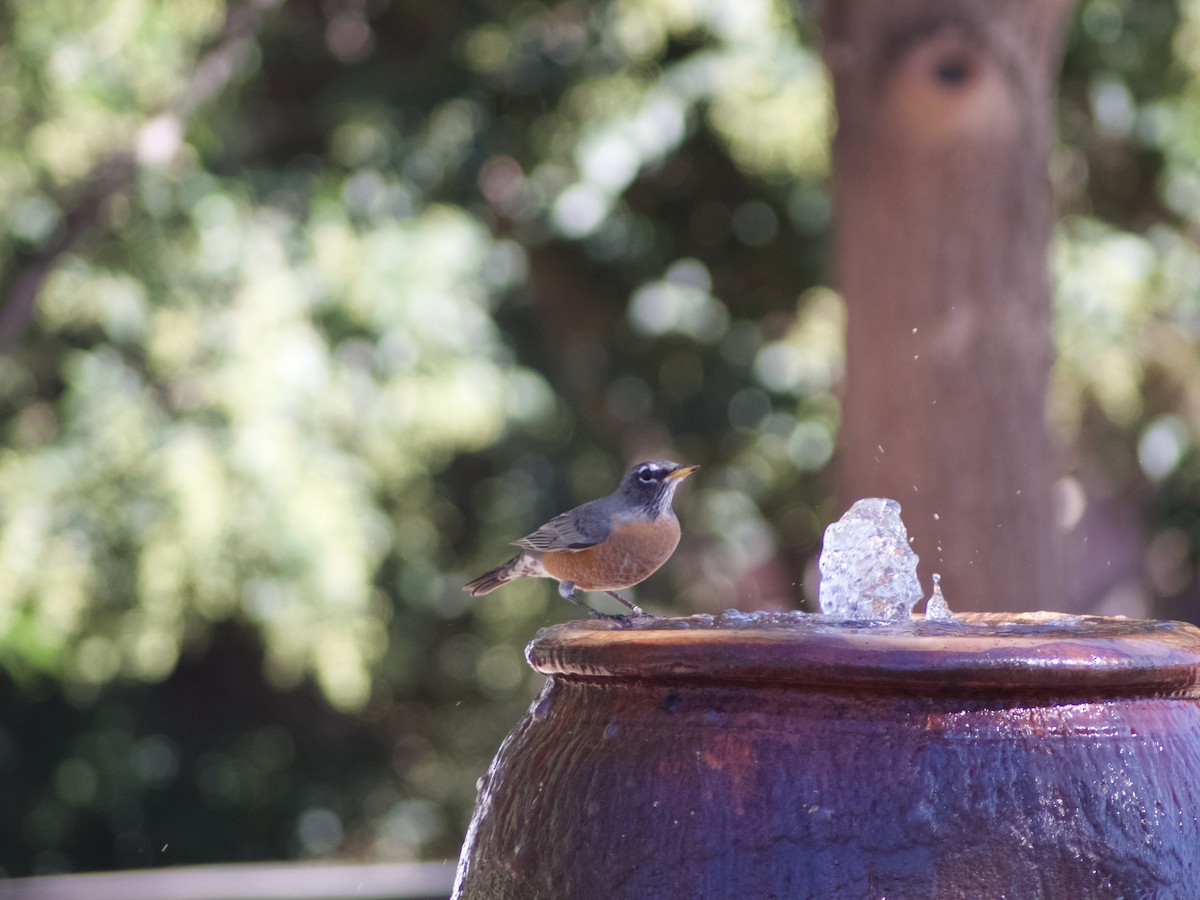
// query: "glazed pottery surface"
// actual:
[[1028, 756]]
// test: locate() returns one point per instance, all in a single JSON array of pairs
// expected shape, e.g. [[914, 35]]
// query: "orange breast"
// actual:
[[633, 552]]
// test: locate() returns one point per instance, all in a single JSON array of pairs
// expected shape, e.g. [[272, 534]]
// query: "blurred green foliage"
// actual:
[[310, 308]]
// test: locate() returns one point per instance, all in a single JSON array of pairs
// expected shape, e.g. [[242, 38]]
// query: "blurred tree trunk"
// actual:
[[944, 215]]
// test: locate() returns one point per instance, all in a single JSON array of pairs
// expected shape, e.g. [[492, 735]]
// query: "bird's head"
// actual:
[[651, 485]]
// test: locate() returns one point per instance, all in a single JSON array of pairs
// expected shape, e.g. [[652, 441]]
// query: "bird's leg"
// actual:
[[567, 590], [637, 610]]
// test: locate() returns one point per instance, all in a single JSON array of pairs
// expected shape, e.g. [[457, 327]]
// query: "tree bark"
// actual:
[[944, 214]]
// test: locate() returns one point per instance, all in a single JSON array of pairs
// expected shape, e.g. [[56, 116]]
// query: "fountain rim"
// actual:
[[1012, 654]]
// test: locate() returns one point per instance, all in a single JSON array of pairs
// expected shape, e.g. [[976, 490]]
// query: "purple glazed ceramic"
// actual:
[[1020, 756]]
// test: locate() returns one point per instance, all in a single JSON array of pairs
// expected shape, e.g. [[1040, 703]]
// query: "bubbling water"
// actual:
[[869, 569]]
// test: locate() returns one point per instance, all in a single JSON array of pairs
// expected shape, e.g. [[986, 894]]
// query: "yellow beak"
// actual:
[[682, 472]]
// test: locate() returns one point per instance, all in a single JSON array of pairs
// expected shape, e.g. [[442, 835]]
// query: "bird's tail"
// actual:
[[493, 578]]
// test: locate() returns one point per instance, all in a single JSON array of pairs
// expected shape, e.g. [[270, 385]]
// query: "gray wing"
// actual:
[[583, 527]]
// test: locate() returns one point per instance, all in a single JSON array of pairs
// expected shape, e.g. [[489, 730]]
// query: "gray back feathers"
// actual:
[[644, 493]]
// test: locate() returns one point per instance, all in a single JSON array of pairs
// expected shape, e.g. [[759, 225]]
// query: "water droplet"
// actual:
[[936, 607], [542, 708]]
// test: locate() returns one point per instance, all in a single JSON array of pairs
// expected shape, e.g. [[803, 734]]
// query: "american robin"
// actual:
[[604, 545]]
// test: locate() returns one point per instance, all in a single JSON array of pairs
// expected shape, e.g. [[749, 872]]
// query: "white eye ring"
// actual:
[[646, 475]]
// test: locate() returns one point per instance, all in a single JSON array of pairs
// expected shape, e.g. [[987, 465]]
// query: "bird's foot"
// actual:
[[567, 590], [634, 608], [615, 618]]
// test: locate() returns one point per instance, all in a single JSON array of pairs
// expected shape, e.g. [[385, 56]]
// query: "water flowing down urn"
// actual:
[[786, 757]]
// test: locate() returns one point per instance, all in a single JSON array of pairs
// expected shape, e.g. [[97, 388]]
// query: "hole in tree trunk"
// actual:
[[952, 72]]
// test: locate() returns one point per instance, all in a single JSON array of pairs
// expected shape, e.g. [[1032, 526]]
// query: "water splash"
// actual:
[[868, 569], [936, 607]]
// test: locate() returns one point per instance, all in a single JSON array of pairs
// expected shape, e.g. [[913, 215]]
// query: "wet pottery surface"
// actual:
[[788, 757]]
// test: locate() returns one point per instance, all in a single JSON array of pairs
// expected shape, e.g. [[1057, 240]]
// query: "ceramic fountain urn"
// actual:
[[1029, 756]]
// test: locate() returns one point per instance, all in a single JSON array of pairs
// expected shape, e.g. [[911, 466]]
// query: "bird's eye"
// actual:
[[646, 475]]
